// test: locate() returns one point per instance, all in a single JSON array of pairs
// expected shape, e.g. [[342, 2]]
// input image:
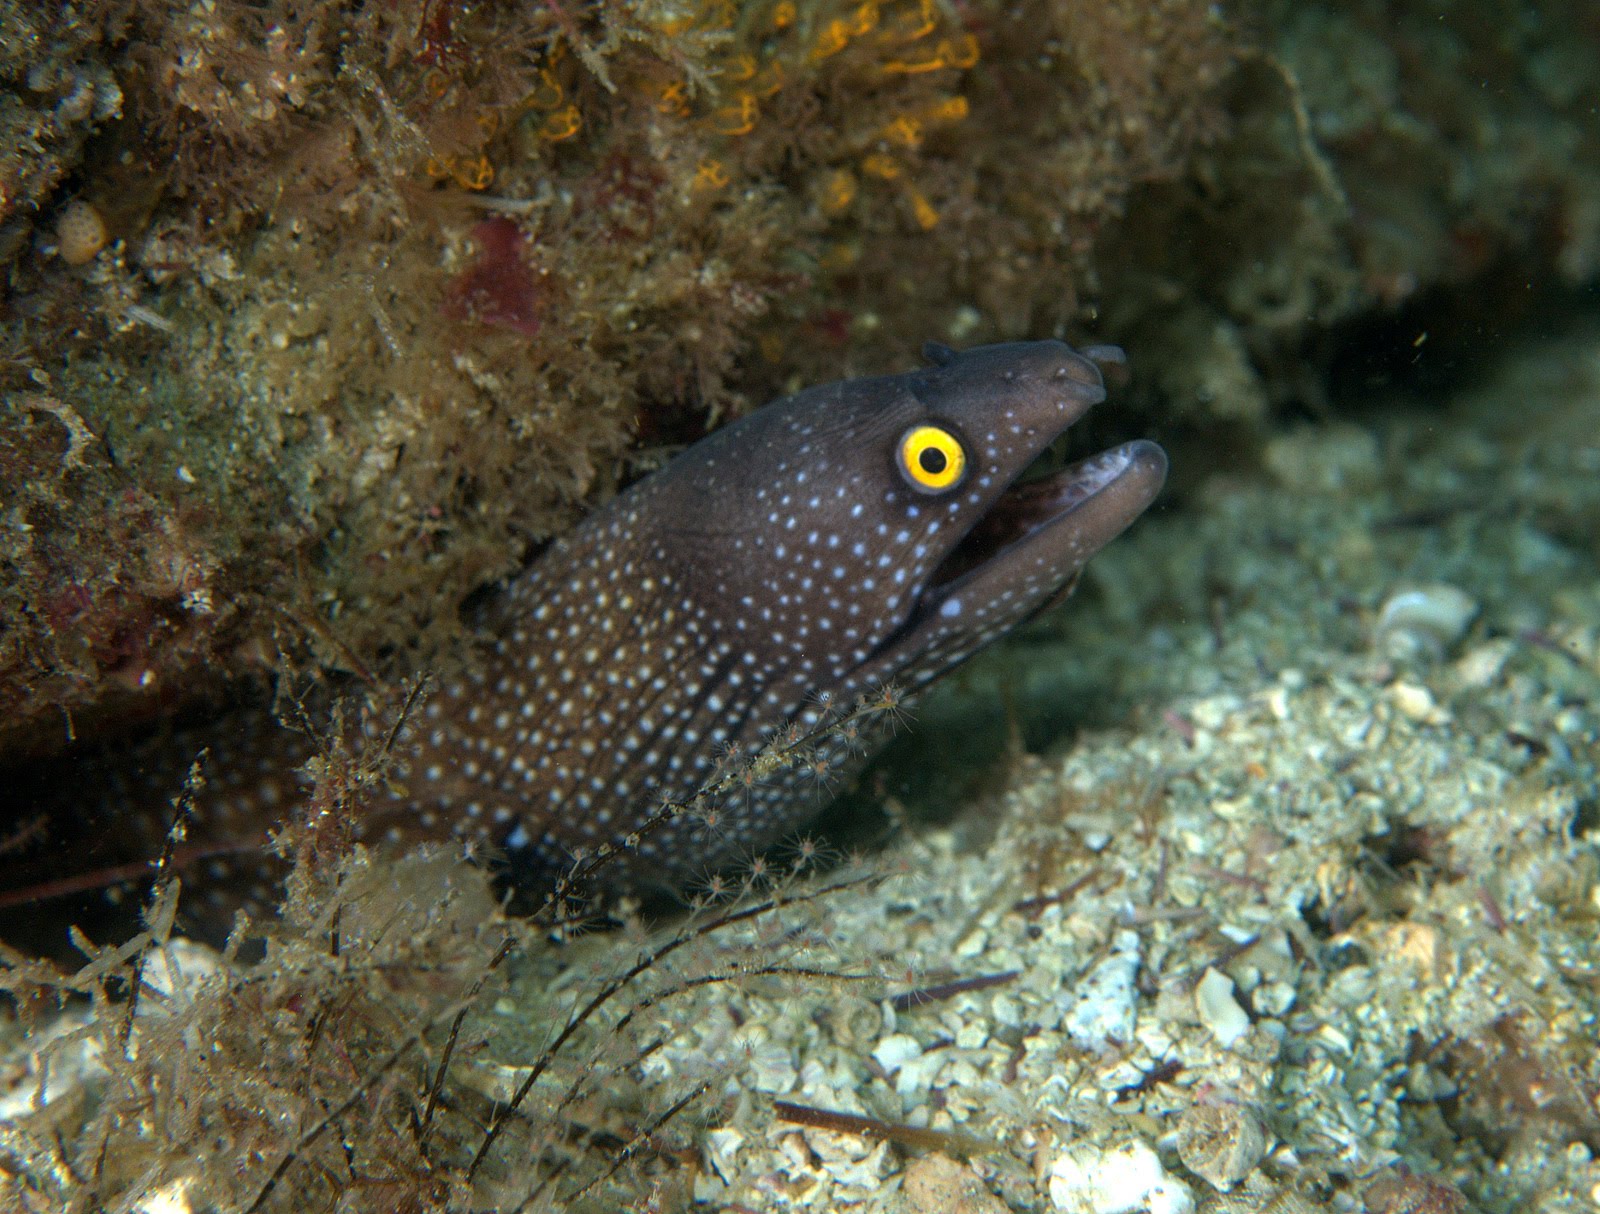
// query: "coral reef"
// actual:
[[1389, 179], [392, 290], [375, 297]]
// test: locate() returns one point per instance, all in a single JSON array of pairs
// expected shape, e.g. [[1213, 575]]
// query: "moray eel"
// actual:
[[859, 534]]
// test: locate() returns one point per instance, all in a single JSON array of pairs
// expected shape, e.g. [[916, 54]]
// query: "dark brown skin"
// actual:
[[857, 535]]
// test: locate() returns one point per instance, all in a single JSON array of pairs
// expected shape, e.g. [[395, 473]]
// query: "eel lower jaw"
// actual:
[[1065, 518]]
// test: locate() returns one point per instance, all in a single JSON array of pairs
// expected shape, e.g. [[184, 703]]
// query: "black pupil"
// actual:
[[931, 460]]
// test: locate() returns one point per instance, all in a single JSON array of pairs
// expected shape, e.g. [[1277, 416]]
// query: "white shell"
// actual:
[[1424, 622]]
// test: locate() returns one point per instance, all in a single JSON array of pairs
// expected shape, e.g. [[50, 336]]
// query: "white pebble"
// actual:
[[1088, 1179], [172, 1198], [1417, 702], [1480, 666], [1103, 1011], [895, 1050]]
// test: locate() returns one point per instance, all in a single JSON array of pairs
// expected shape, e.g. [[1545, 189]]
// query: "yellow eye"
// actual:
[[931, 459]]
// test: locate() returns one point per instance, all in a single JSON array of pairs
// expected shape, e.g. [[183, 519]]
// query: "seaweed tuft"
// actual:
[[387, 1038]]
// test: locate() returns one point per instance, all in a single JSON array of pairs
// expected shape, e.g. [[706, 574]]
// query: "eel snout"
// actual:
[[1061, 521]]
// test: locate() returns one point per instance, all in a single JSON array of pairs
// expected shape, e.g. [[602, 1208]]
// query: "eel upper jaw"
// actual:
[[1055, 525]]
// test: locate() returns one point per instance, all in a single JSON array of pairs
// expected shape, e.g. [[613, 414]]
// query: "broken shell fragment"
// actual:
[[1217, 1008]]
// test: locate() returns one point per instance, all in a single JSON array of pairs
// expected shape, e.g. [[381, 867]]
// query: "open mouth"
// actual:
[[1106, 491]]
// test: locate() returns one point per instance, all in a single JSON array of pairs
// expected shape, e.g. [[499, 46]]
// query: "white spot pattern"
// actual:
[[691, 618]]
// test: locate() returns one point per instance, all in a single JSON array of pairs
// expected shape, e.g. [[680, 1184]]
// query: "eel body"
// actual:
[[859, 534]]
